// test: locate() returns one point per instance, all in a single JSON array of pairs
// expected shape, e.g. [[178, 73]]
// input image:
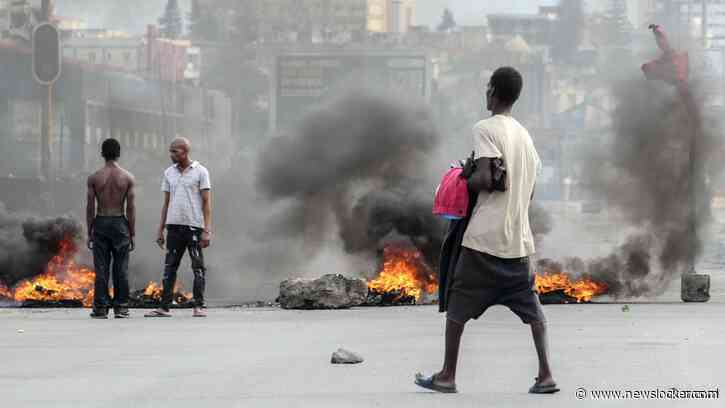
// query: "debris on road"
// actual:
[[327, 292], [342, 356]]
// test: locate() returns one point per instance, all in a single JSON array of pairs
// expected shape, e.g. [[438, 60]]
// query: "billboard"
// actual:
[[303, 81]]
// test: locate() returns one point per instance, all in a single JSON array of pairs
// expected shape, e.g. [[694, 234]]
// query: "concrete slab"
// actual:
[[277, 358]]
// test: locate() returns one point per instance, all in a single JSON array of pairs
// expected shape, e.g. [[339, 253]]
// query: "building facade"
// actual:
[[313, 20], [126, 53], [92, 103], [390, 16], [290, 20], [535, 29], [693, 19]]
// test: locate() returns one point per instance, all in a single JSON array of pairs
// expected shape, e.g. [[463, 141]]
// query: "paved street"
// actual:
[[276, 358], [247, 357]]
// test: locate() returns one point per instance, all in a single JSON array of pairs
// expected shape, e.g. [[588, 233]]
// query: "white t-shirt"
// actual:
[[499, 225], [185, 204]]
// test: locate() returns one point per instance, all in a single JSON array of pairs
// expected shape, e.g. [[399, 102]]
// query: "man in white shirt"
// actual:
[[186, 216], [493, 266]]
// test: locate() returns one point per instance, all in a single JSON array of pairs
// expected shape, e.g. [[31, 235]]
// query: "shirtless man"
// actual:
[[111, 230]]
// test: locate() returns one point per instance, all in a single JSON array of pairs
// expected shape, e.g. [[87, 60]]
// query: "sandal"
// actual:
[[430, 384]]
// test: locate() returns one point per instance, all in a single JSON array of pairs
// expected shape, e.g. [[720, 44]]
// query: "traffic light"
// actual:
[[46, 53]]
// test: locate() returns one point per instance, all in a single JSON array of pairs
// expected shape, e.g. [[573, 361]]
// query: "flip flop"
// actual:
[[430, 384], [543, 389]]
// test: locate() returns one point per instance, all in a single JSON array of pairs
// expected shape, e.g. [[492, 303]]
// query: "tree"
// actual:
[[171, 23], [448, 22]]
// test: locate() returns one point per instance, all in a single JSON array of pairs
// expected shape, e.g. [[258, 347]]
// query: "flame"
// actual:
[[154, 291], [63, 279], [5, 292], [405, 271], [583, 290]]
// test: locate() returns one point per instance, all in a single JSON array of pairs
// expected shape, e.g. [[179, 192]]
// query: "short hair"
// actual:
[[508, 83], [182, 141], [111, 149]]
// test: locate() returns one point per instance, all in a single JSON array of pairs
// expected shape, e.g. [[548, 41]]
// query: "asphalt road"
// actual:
[[278, 358]]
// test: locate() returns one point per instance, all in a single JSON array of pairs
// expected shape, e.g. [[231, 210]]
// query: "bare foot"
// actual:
[[545, 381], [444, 380]]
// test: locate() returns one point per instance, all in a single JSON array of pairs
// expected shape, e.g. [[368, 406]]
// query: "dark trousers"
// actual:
[[111, 242], [179, 238]]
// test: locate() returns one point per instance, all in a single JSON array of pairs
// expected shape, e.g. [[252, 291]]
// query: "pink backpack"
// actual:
[[451, 198]]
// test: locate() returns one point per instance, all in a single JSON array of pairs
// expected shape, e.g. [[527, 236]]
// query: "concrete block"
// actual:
[[695, 287]]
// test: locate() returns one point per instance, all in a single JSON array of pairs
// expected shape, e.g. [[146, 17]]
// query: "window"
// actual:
[[92, 57]]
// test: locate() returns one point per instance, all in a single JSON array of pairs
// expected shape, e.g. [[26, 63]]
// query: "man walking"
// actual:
[[111, 230], [493, 265], [186, 216]]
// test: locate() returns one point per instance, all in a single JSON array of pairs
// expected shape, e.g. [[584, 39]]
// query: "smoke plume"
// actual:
[[358, 167], [647, 173], [25, 255]]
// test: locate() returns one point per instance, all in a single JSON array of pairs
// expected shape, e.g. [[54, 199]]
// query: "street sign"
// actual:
[[46, 54]]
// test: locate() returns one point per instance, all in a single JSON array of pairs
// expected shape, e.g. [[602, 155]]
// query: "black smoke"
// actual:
[[27, 244], [541, 222], [357, 165], [653, 170]]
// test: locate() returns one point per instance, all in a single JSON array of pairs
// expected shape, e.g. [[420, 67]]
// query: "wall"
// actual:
[[123, 53]]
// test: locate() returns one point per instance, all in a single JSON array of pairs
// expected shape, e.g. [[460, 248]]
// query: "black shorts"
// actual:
[[483, 280]]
